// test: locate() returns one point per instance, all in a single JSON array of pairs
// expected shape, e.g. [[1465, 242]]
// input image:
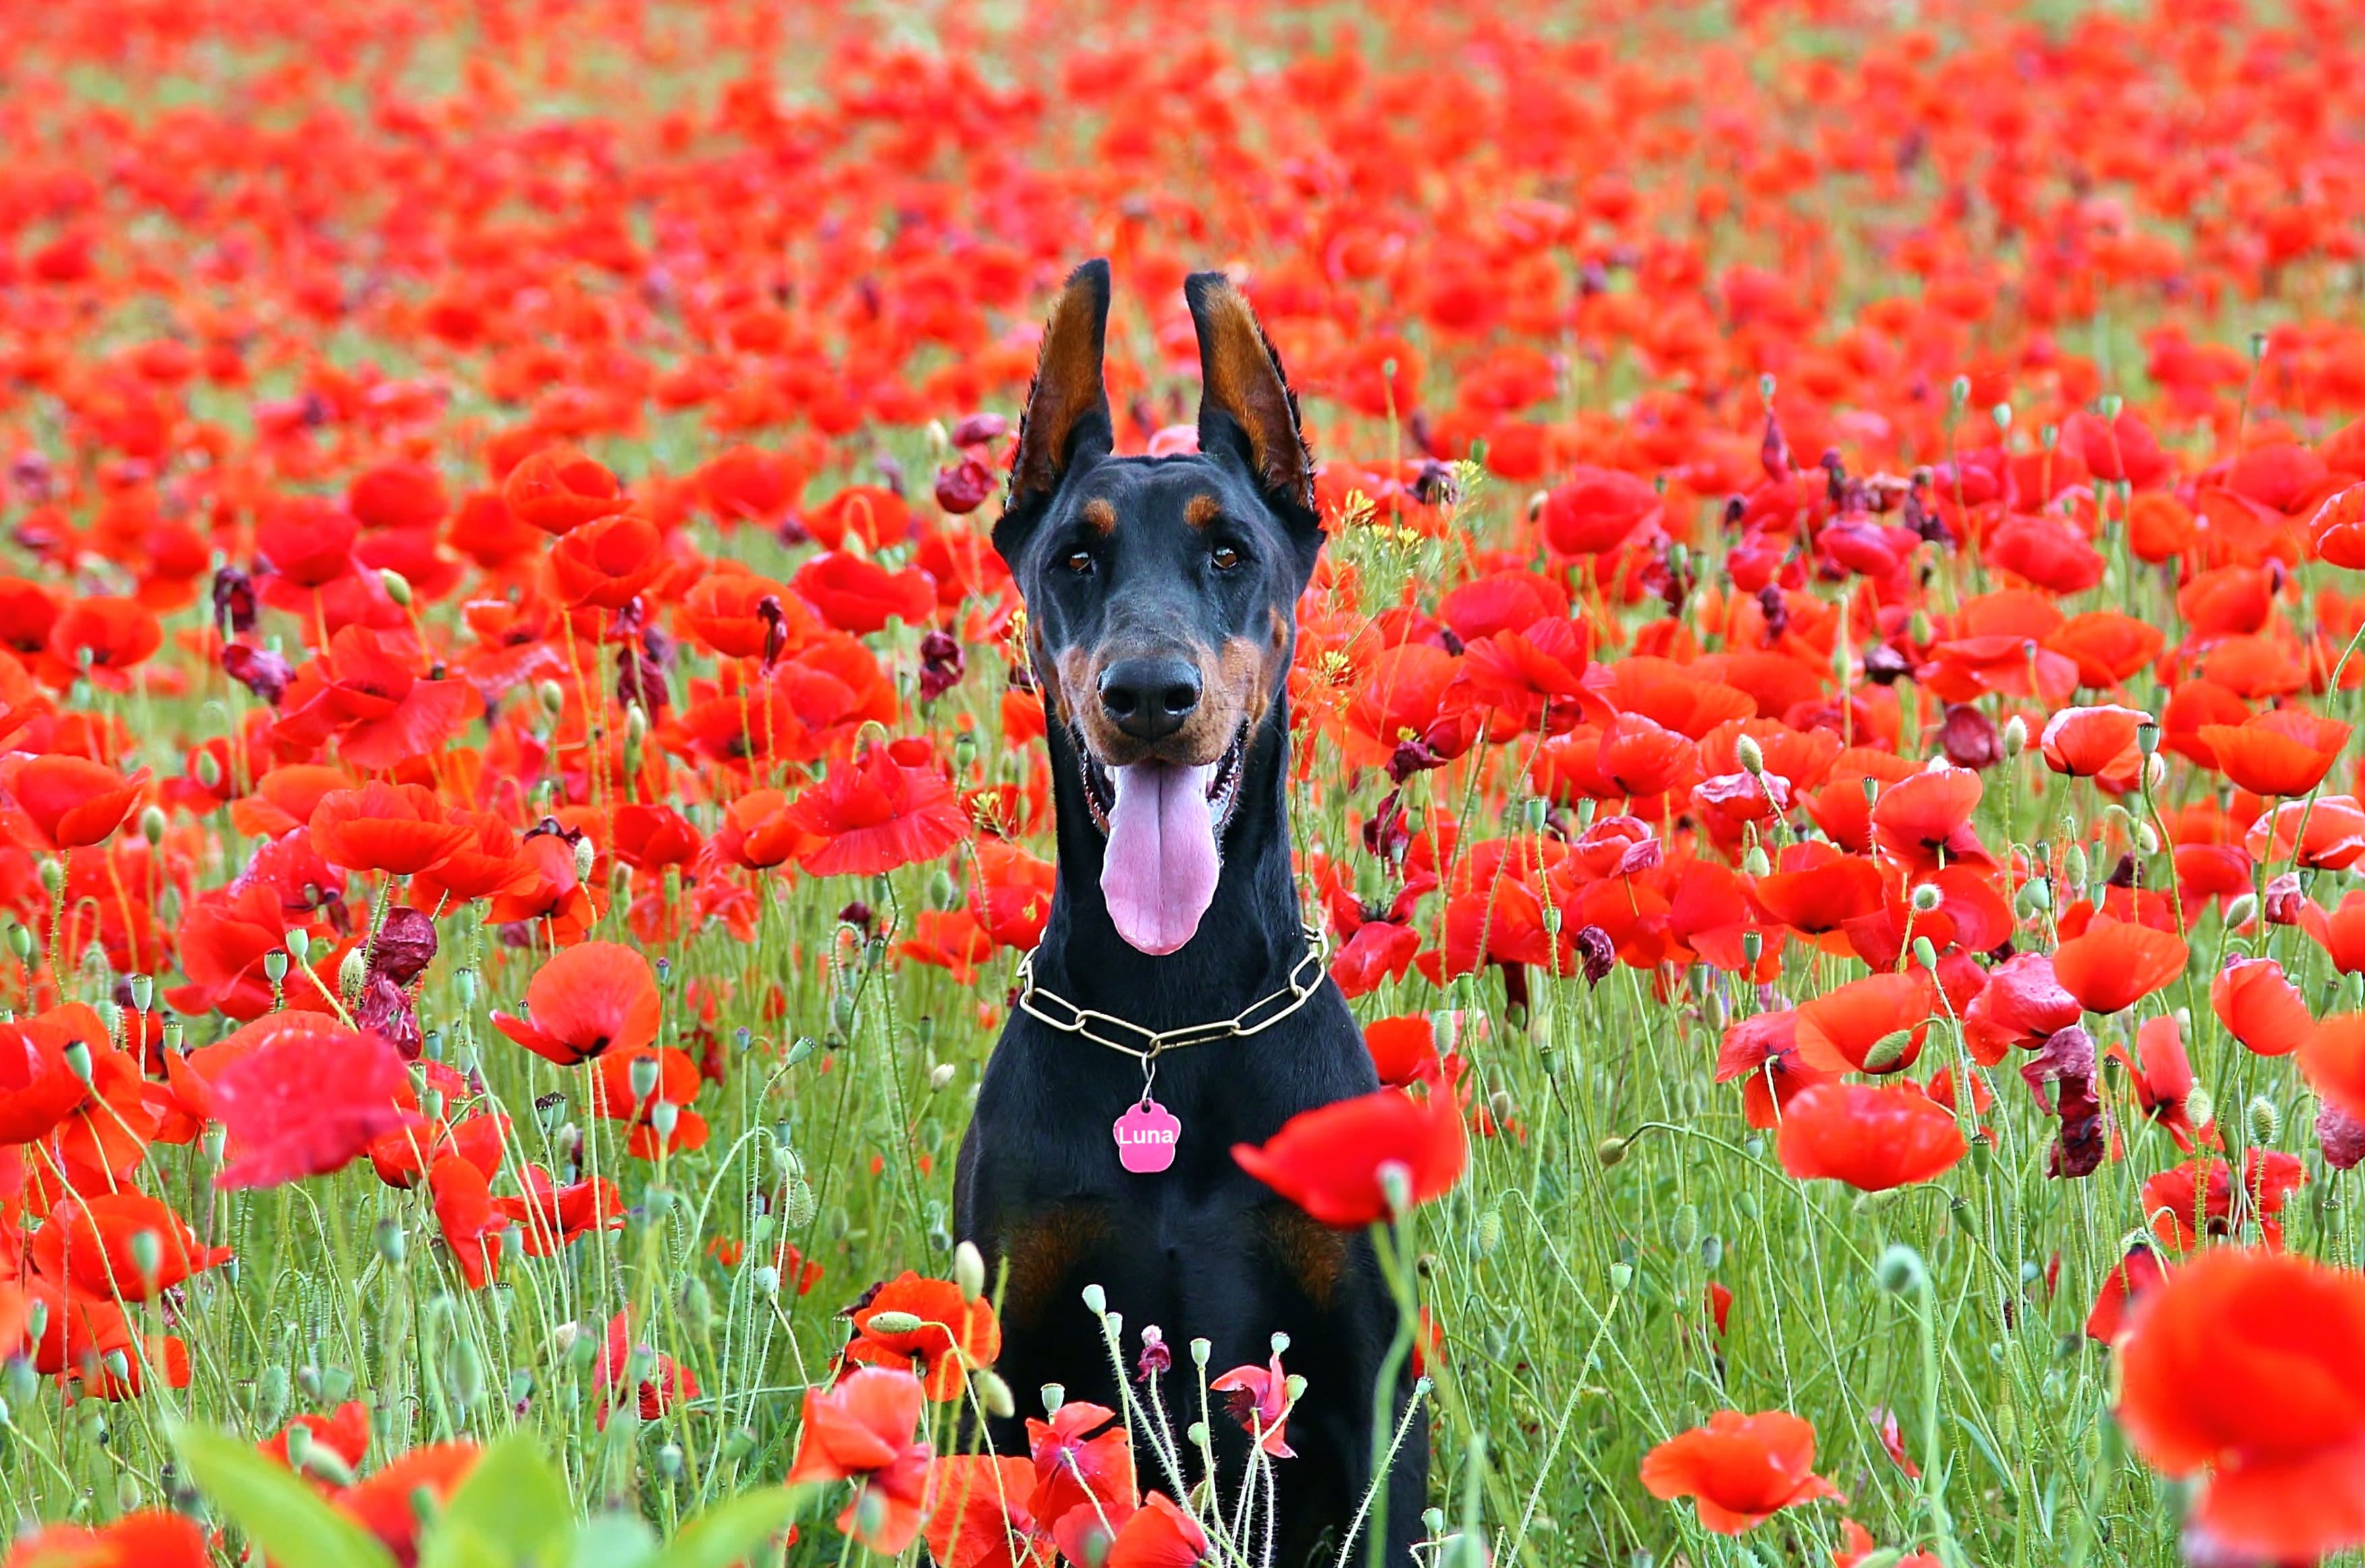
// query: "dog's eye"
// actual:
[[1225, 557], [1081, 562]]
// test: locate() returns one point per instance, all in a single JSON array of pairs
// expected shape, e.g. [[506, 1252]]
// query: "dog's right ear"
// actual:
[[1066, 420]]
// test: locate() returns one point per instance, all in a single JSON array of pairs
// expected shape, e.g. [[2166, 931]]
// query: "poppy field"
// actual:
[[1823, 755]]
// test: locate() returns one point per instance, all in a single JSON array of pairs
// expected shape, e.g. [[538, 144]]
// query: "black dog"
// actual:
[[1160, 596]]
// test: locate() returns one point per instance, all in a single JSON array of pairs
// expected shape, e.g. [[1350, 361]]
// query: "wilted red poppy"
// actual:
[[1739, 1470], [865, 1430], [1335, 1162], [2284, 751], [398, 829], [589, 999], [2251, 1365], [2113, 963], [954, 1335], [1874, 1025], [1872, 1138], [2259, 1007], [2021, 1004], [558, 490], [891, 806], [70, 802]]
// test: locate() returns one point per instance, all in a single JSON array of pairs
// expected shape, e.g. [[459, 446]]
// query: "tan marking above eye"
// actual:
[[1100, 517], [1201, 509]]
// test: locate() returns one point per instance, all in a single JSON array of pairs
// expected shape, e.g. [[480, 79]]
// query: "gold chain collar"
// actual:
[[1147, 1044]]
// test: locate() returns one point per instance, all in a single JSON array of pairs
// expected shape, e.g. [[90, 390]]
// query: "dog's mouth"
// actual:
[[1164, 822]]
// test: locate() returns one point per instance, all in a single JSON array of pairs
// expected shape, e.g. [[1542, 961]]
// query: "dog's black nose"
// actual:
[[1149, 699]]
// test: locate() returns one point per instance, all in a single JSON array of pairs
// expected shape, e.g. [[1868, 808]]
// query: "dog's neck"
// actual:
[[1249, 940]]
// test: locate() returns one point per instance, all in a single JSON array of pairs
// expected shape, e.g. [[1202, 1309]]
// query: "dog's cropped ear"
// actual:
[[1245, 405], [1066, 419]]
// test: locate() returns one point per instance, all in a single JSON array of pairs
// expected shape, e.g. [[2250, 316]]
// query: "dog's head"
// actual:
[[1159, 593]]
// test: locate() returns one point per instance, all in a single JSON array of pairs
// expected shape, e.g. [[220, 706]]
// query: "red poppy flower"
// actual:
[[857, 594], [386, 1504], [104, 1236], [589, 999], [2326, 834], [1333, 1161], [2134, 1274], [2197, 1200], [865, 1430], [69, 801], [151, 1538], [1927, 817], [2333, 1057], [2259, 1007], [2098, 744], [2339, 931], [344, 1432], [758, 832], [1739, 1470], [2251, 1365], [740, 615], [2023, 1005], [554, 1217], [398, 829], [1874, 1025], [1816, 887], [2163, 1079], [891, 807], [2284, 751], [470, 1223], [1871, 1138], [954, 1337], [1158, 1535], [485, 864], [1083, 1463], [367, 696], [1762, 1051], [307, 1102], [2113, 963], [101, 638], [558, 490], [609, 561], [1596, 510], [664, 1385], [977, 1516], [1258, 1398]]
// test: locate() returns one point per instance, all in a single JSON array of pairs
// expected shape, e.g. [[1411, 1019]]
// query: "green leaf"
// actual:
[[463, 1546], [727, 1532], [515, 1499], [615, 1541], [280, 1514]]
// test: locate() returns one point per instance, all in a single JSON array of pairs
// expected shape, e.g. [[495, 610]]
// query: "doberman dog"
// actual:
[[1160, 596]]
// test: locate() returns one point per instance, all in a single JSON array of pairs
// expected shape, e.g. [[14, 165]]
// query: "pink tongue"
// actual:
[[1159, 875]]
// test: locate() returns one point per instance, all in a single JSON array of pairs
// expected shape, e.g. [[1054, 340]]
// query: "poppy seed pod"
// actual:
[[1901, 1269]]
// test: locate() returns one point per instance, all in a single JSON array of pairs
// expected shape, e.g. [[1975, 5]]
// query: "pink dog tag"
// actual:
[[1145, 1137]]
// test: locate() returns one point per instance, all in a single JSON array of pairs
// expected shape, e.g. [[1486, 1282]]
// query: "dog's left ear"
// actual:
[[1246, 408]]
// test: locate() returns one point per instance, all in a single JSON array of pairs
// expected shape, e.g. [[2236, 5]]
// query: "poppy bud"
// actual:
[[1610, 1151], [77, 1055], [992, 1393], [1901, 1269], [1755, 864], [2034, 898], [1925, 953], [147, 1256], [767, 1280], [895, 1322], [2264, 1119], [20, 942], [1683, 1231], [1751, 755], [1396, 1185], [1889, 1051], [1490, 1231], [391, 1241], [586, 852], [2240, 909], [396, 586], [968, 1271], [270, 1395], [552, 696], [2001, 415], [53, 876], [2074, 867], [797, 1204], [152, 825], [352, 971], [2147, 839], [940, 1075]]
